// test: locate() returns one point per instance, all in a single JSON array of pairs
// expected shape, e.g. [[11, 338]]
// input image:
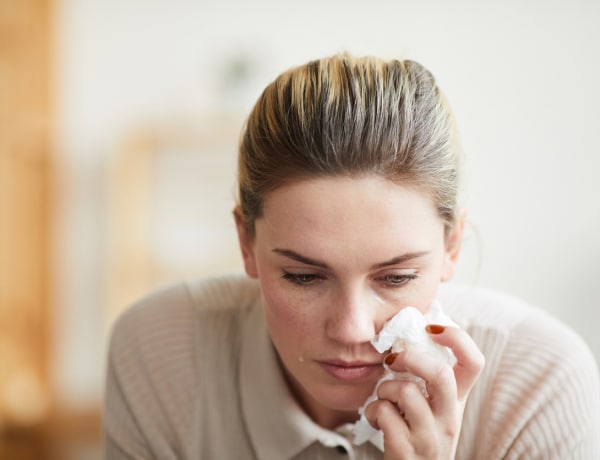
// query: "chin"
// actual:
[[343, 397]]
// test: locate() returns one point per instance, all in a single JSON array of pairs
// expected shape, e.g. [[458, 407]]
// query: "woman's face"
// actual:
[[337, 257]]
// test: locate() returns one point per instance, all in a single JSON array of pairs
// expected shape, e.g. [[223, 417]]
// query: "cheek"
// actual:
[[422, 292], [429, 291], [282, 310], [288, 318]]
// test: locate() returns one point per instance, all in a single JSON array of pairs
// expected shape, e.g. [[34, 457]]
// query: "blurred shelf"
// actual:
[[62, 436]]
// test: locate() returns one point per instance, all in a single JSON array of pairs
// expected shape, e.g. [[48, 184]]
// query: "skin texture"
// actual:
[[336, 257]]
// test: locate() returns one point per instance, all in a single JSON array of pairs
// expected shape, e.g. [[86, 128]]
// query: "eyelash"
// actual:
[[306, 279], [399, 280], [301, 279]]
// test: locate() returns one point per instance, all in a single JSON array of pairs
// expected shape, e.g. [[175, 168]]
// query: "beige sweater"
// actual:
[[192, 375]]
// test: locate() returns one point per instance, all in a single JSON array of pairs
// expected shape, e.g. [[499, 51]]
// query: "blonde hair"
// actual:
[[343, 115]]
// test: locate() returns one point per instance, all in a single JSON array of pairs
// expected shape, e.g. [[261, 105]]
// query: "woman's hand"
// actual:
[[419, 426]]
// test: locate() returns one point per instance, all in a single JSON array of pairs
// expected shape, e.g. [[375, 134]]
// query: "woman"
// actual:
[[348, 213]]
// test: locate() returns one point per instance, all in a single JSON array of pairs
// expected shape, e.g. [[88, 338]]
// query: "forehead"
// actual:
[[348, 208], [347, 192]]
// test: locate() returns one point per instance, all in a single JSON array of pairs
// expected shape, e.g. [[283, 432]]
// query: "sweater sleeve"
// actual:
[[123, 439], [150, 368], [547, 395], [164, 352]]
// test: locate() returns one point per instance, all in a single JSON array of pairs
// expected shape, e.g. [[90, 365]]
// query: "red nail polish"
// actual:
[[389, 359], [435, 328]]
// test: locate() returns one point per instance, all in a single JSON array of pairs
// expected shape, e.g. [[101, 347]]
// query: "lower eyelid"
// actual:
[[402, 278], [297, 278]]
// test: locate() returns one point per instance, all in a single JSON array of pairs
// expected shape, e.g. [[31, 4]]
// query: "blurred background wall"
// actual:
[[140, 109]]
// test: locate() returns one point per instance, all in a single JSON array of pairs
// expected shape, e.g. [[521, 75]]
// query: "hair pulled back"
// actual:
[[350, 116]]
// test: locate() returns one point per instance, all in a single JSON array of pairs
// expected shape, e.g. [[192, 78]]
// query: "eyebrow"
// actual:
[[299, 257], [317, 263], [400, 259]]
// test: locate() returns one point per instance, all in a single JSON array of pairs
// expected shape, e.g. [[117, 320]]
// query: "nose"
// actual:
[[352, 319]]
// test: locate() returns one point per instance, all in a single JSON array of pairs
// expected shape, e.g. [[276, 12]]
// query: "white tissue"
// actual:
[[406, 329]]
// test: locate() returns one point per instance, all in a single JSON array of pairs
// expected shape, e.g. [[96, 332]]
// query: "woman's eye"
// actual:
[[398, 279], [301, 279]]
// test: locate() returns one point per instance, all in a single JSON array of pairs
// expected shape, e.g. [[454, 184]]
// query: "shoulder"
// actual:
[[514, 327], [177, 308], [161, 350], [203, 295], [540, 387], [180, 321], [473, 306]]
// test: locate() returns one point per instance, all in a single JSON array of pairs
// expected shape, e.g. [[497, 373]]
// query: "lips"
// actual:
[[350, 371]]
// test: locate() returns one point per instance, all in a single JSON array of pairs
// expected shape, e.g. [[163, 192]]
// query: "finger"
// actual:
[[438, 376], [412, 406], [384, 415], [469, 359]]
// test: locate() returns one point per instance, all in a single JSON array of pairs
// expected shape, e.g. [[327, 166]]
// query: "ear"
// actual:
[[453, 243], [246, 242]]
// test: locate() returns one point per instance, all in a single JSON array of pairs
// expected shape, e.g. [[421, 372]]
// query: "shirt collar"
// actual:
[[277, 425]]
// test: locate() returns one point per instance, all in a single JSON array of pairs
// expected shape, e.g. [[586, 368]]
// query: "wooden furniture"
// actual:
[[32, 427], [172, 193], [25, 201]]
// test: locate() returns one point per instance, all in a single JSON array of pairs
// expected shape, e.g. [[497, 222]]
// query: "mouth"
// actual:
[[350, 371]]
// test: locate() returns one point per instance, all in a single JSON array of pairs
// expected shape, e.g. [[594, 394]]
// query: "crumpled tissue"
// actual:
[[406, 329]]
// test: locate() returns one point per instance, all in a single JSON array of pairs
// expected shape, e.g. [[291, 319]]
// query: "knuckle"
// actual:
[[398, 392], [475, 363], [444, 373], [407, 391], [450, 430], [379, 410], [479, 361]]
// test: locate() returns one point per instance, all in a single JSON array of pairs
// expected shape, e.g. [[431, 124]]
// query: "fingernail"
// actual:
[[389, 359], [435, 328]]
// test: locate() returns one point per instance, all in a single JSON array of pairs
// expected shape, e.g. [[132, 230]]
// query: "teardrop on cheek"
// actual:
[[378, 299]]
